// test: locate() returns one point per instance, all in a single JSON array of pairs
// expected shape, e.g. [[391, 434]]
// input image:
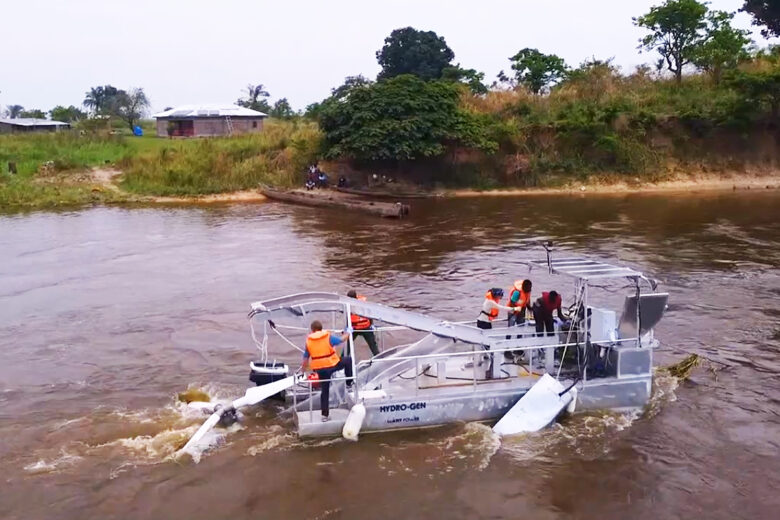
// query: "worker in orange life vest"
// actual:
[[362, 327], [490, 308], [323, 359], [520, 300]]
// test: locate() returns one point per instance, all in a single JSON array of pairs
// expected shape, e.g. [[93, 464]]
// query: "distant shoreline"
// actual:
[[686, 184], [682, 184]]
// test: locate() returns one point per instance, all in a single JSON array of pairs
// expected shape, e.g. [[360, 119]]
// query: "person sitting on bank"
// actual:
[[543, 310], [322, 180], [491, 308], [362, 327], [324, 360], [520, 301]]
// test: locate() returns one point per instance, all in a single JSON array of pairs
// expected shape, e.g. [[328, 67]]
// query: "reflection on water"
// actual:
[[107, 314]]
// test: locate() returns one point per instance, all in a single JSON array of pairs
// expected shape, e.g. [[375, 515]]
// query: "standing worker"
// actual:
[[520, 300], [324, 360], [490, 308], [543, 309], [362, 327]]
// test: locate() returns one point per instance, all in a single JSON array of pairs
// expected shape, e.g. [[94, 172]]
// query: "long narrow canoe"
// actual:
[[326, 198], [389, 194]]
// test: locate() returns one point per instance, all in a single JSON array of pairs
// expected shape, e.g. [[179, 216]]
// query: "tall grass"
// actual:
[[600, 121], [67, 150], [276, 156]]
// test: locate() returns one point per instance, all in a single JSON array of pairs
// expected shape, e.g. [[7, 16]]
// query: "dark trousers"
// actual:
[[325, 373], [486, 325], [515, 318], [370, 338], [544, 321]]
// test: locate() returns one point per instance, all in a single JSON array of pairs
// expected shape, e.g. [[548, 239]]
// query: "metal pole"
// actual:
[[474, 366], [351, 343], [311, 402], [587, 329]]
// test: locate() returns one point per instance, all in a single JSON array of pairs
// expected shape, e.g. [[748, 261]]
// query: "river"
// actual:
[[107, 313]]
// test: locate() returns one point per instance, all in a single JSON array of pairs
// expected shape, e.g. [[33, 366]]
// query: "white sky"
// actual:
[[207, 51]]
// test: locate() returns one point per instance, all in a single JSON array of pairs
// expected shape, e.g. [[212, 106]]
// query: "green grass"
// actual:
[[18, 193], [67, 150], [152, 165], [277, 156]]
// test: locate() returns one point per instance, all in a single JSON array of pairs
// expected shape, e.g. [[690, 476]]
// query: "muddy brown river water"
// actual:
[[107, 313]]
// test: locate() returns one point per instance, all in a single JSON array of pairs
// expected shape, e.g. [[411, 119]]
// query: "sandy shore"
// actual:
[[234, 196], [684, 184], [680, 184]]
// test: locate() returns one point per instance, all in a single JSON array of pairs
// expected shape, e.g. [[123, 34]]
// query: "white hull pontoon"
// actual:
[[456, 372]]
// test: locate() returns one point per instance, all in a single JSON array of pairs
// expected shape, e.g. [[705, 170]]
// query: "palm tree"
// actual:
[[93, 99], [253, 101], [14, 111]]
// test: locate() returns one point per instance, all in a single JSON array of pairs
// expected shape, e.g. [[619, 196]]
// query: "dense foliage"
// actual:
[[766, 13], [402, 118], [675, 32], [537, 71], [409, 51]]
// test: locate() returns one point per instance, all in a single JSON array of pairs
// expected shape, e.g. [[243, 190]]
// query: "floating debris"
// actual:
[[683, 369], [194, 395]]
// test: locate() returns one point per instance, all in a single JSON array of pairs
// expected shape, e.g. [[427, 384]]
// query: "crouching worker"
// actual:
[[324, 360], [491, 308], [543, 309], [362, 327]]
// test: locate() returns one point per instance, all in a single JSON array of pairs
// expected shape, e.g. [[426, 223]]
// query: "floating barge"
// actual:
[[600, 359], [328, 198]]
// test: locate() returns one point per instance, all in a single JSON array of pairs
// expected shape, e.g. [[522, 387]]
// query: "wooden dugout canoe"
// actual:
[[389, 194], [328, 198]]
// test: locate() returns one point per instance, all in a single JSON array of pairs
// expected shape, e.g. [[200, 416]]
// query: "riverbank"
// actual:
[[105, 186], [55, 171], [679, 183]]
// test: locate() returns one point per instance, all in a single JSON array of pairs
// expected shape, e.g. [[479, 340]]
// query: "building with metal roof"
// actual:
[[208, 121], [30, 124]]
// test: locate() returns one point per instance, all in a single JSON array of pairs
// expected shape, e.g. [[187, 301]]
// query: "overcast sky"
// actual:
[[207, 51]]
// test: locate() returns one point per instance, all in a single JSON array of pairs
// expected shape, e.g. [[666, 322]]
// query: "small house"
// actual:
[[30, 124], [208, 121]]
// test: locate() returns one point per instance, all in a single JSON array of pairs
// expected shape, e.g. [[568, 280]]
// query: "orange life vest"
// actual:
[[359, 322], [525, 297], [493, 314], [321, 354]]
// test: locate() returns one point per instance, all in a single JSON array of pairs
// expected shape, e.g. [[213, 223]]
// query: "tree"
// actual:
[[100, 100], [34, 113], [409, 51], [14, 111], [66, 114], [282, 110], [401, 118], [536, 70], [256, 99], [675, 32], [130, 106], [722, 47], [469, 77], [350, 83], [758, 88], [766, 13]]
